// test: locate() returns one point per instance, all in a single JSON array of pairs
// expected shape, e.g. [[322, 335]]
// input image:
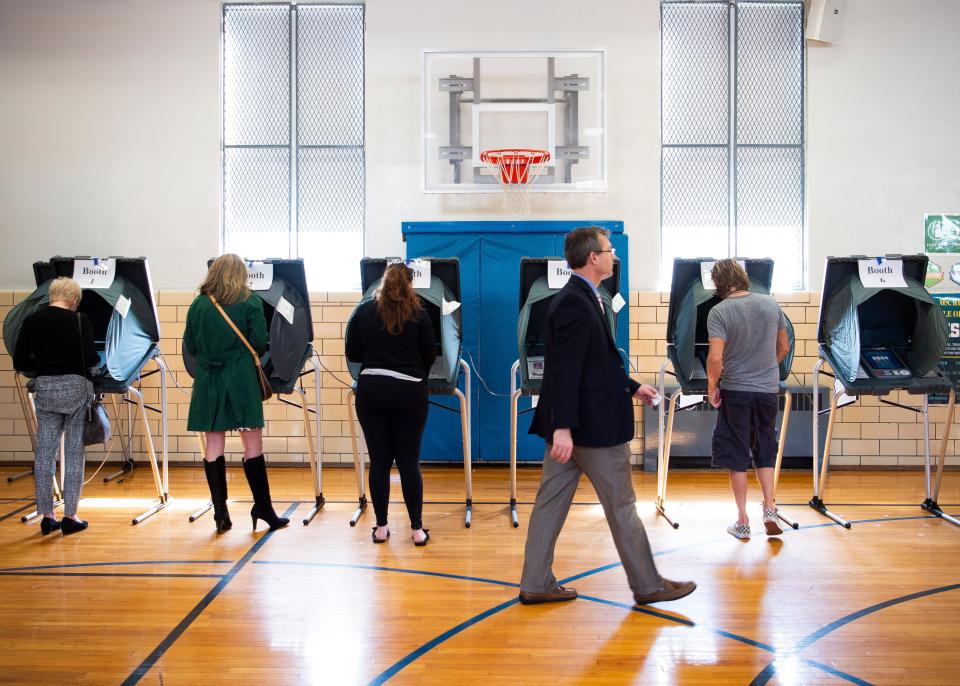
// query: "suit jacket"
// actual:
[[585, 384]]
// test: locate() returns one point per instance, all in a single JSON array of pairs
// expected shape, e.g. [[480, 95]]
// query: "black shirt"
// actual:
[[412, 351], [50, 343]]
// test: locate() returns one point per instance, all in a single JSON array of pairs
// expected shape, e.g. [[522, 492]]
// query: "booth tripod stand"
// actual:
[[821, 465], [359, 447], [131, 396], [666, 437]]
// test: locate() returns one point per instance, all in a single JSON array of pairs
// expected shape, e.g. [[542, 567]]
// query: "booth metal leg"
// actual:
[[206, 508], [125, 432], [357, 459], [514, 399], [314, 456], [930, 504], [465, 423], [664, 465], [816, 502], [467, 463], [162, 498], [19, 475], [784, 424]]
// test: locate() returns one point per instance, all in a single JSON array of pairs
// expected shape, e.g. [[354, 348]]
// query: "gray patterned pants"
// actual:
[[61, 403]]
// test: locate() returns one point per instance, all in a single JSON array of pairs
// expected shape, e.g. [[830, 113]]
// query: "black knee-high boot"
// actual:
[[216, 472], [255, 469]]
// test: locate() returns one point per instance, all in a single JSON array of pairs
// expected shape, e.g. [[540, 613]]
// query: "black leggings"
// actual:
[[392, 413]]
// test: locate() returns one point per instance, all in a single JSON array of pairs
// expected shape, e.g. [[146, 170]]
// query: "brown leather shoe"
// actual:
[[671, 590], [559, 594]]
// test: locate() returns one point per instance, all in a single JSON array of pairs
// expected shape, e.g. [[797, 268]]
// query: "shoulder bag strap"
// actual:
[[256, 358], [83, 355]]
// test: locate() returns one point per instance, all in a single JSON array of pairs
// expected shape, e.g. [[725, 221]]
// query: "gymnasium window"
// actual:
[[732, 134], [293, 173]]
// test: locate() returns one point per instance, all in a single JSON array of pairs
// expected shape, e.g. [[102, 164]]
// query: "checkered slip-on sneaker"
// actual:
[[770, 522], [741, 531]]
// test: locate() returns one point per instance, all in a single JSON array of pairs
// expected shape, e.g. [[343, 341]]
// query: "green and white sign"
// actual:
[[950, 361], [941, 233]]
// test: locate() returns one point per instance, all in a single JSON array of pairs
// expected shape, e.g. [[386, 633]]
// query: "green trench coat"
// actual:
[[226, 393]]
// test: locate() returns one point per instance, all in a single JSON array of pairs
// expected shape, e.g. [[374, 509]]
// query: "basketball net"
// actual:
[[516, 170]]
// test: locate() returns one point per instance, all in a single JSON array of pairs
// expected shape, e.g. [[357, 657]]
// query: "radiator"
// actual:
[[693, 432]]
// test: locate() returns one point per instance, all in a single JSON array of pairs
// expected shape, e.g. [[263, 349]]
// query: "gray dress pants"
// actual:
[[609, 471], [61, 403]]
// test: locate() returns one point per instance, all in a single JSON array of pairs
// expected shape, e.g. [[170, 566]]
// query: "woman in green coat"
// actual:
[[226, 391]]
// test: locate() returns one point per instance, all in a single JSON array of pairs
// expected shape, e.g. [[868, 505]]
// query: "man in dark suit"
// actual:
[[585, 414]]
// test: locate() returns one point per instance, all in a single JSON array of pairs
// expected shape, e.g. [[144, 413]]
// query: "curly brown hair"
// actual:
[[397, 302], [729, 277]]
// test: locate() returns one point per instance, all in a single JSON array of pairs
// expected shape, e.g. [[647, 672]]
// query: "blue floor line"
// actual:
[[770, 670], [398, 666], [122, 575], [211, 595], [718, 632], [433, 643], [116, 564], [415, 654], [398, 570]]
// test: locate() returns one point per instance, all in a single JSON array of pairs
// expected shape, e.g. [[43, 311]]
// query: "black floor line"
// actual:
[[17, 511], [185, 623]]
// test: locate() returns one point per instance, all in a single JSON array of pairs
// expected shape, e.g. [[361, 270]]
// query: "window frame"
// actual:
[[734, 239]]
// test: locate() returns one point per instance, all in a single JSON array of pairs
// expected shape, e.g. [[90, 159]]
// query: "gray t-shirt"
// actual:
[[748, 325]]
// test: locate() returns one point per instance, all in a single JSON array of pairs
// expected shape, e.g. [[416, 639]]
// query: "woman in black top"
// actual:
[[392, 338], [56, 344]]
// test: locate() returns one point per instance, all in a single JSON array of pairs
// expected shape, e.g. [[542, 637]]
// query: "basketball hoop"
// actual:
[[516, 169]]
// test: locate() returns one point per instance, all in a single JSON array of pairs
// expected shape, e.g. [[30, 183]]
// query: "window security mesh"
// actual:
[[293, 132], [732, 174]]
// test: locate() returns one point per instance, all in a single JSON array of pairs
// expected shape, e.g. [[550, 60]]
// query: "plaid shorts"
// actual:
[[745, 433]]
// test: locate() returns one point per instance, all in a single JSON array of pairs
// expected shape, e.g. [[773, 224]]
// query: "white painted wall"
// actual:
[[109, 134], [109, 125], [883, 123]]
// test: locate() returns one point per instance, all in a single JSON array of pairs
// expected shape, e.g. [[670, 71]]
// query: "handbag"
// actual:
[[96, 425], [266, 391]]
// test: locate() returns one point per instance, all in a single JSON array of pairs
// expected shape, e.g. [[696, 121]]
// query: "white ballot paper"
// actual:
[[285, 310]]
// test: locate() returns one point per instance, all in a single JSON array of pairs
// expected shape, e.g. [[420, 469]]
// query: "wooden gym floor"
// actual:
[[168, 602]]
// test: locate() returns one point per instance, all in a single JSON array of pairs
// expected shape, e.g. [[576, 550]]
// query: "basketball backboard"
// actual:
[[484, 100]]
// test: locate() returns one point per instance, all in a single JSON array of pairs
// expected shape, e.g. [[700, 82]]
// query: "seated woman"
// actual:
[[392, 338], [56, 344], [226, 391]]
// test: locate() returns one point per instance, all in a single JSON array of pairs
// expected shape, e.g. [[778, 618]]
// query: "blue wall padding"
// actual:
[[490, 255]]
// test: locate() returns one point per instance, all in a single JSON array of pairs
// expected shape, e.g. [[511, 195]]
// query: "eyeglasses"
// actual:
[[612, 251]]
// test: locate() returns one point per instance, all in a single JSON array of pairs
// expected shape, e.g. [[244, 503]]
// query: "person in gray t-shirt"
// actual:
[[748, 340]]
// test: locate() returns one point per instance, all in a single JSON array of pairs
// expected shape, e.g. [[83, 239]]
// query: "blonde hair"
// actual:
[[728, 277], [226, 280], [64, 288]]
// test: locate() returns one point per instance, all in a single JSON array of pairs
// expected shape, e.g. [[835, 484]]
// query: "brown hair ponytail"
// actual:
[[397, 302]]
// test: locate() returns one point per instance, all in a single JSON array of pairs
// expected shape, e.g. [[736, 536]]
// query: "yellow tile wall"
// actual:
[[868, 433]]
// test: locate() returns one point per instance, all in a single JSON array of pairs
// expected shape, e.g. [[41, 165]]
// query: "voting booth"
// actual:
[[118, 298], [540, 279], [437, 283], [281, 285], [879, 332], [692, 296]]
